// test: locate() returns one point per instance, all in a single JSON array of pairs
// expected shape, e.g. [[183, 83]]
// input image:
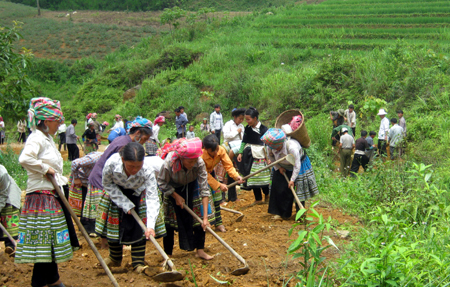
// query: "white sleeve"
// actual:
[[152, 200], [297, 152], [114, 192], [29, 157]]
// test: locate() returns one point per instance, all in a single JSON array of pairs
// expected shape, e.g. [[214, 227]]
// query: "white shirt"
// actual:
[[216, 121], [21, 126], [9, 191], [351, 118], [384, 128], [118, 124], [230, 132], [143, 181], [38, 155], [257, 128], [62, 129], [154, 163], [155, 131], [294, 148]]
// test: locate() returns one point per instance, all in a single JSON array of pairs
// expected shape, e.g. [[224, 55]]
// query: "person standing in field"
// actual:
[[213, 153], [402, 123], [383, 132], [71, 140], [190, 134], [360, 158], [61, 133], [216, 121], [97, 128], [78, 186], [233, 133], [252, 156], [46, 232], [159, 122], [183, 179], [204, 126], [22, 129], [395, 138], [347, 144], [10, 196], [300, 174], [180, 122], [118, 123], [350, 118], [182, 112], [372, 147]]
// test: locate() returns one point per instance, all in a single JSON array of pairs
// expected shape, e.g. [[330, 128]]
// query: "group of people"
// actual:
[[391, 133], [105, 188]]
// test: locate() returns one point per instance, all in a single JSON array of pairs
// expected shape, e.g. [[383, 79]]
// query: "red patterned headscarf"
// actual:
[[42, 109], [160, 119], [183, 148]]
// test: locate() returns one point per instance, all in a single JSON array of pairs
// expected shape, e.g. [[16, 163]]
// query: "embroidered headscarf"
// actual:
[[88, 116], [94, 115], [183, 148], [274, 138], [296, 122], [44, 109], [140, 122], [105, 124], [160, 119], [118, 116]]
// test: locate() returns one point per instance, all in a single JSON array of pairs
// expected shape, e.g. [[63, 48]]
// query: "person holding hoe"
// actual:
[[213, 153], [46, 232], [183, 179], [300, 174]]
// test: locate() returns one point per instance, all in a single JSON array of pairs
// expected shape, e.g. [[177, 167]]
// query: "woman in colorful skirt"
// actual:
[[300, 174], [233, 132], [10, 195], [152, 145], [213, 154], [184, 180], [46, 232], [128, 185], [252, 156], [140, 132], [78, 186]]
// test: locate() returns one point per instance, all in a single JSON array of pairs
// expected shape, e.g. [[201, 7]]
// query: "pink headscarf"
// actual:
[[296, 122], [160, 119], [183, 148]]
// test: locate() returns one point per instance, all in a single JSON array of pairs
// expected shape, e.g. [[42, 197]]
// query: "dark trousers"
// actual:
[[217, 133], [382, 147], [179, 135], [62, 141], [74, 152], [354, 132], [359, 160], [44, 274], [232, 194], [8, 243], [137, 252], [22, 137], [258, 194], [168, 240]]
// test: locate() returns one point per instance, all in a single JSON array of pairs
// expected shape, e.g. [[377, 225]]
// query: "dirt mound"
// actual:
[[260, 241]]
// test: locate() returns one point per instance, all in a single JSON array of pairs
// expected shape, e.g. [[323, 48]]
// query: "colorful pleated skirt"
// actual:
[[9, 218], [44, 231]]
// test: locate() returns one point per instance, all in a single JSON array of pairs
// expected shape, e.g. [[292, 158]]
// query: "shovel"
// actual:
[[237, 272], [168, 276], [239, 219], [293, 192], [83, 231], [290, 158]]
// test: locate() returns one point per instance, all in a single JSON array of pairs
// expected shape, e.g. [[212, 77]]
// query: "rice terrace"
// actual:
[[387, 225]]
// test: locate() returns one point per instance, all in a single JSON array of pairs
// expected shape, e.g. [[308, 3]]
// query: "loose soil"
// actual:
[[261, 241]]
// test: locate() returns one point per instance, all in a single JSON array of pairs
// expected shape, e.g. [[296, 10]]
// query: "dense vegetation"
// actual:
[[141, 5], [391, 54]]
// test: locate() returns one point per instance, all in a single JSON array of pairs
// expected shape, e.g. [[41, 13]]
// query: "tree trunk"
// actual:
[[39, 8]]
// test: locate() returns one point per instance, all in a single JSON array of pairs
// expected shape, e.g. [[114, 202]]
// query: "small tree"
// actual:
[[15, 90], [171, 16]]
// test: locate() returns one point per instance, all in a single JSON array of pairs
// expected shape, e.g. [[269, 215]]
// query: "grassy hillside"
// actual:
[[319, 57]]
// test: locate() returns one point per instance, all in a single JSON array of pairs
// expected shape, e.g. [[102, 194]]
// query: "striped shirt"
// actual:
[[82, 167]]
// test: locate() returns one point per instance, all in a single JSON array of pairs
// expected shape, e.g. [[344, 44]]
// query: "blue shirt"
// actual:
[[181, 122], [116, 133]]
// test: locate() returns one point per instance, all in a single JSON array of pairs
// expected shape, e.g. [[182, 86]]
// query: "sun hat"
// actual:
[[381, 112]]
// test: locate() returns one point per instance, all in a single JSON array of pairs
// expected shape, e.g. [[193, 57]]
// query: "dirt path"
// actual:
[[262, 242]]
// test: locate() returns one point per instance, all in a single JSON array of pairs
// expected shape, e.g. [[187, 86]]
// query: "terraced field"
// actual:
[[372, 24]]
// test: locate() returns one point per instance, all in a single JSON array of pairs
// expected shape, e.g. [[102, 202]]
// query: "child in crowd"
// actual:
[[190, 134]]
